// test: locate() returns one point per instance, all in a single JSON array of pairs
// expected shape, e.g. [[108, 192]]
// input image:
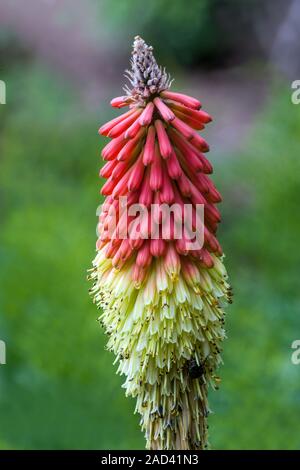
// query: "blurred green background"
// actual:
[[62, 62]]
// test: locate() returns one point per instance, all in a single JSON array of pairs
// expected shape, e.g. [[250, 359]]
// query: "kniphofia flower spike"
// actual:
[[161, 301]]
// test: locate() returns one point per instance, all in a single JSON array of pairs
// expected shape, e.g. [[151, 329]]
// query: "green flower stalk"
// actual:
[[161, 295]]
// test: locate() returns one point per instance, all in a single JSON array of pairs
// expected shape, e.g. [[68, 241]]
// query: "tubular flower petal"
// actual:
[[161, 297], [200, 116], [181, 98], [133, 129], [146, 116], [122, 126], [163, 139], [165, 112], [183, 128], [106, 128], [111, 150], [149, 146], [156, 173], [120, 101], [136, 175], [108, 168]]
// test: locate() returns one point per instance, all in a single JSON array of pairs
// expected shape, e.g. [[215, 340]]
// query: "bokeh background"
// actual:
[[62, 62]]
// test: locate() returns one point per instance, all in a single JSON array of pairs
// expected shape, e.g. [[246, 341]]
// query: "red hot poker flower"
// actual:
[[161, 295]]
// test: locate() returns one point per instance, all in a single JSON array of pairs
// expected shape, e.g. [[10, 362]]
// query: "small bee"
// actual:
[[196, 371]]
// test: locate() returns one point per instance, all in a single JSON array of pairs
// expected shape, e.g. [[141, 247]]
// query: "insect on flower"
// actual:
[[196, 371]]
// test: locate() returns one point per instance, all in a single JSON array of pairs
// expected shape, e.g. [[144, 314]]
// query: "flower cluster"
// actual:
[[161, 301]]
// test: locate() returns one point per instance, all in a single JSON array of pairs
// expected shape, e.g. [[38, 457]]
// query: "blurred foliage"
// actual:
[[203, 26], [163, 21], [58, 389], [260, 400]]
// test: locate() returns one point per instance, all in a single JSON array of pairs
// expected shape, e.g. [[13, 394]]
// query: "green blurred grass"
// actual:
[[58, 389], [259, 402]]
